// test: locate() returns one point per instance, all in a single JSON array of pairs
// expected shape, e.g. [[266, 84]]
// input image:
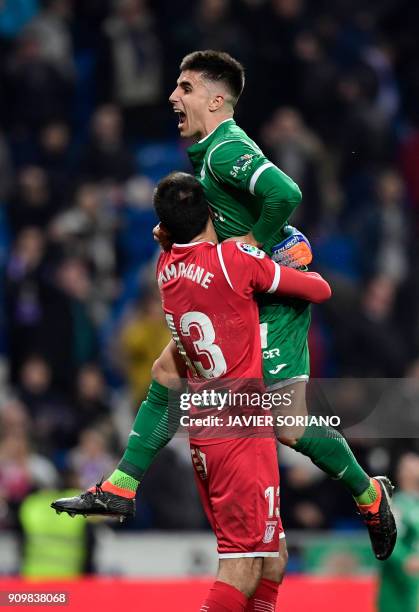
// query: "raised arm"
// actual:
[[279, 196], [249, 270], [243, 166], [308, 286]]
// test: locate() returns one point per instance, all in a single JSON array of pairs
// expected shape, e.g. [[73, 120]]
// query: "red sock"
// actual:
[[264, 600], [111, 488], [224, 598]]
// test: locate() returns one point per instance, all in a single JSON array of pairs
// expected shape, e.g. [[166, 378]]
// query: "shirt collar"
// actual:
[[214, 130], [191, 244]]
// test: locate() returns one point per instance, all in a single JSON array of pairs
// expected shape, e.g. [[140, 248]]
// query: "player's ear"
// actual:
[[216, 103]]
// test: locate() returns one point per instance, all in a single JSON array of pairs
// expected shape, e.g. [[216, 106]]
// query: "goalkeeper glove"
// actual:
[[294, 251]]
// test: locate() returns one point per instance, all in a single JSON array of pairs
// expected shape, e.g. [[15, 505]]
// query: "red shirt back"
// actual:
[[207, 295]]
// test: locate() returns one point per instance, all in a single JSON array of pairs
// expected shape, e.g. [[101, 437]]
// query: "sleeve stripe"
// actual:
[[257, 174], [276, 279], [224, 269]]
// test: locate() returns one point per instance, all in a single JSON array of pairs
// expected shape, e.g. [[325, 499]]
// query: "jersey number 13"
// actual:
[[204, 346]]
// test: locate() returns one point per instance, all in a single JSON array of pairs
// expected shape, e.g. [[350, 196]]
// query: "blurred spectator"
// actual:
[[382, 230], [55, 159], [370, 344], [54, 425], [32, 203], [14, 417], [52, 546], [170, 492], [71, 317], [91, 458], [381, 58], [315, 76], [276, 26], [106, 157], [304, 487], [362, 134], [25, 295], [131, 69], [90, 402], [213, 27], [86, 231], [22, 470], [50, 27], [136, 218], [142, 338], [30, 77], [300, 154]]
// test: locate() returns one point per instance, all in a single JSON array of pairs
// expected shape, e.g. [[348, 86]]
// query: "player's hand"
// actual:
[[294, 251], [162, 236], [247, 238]]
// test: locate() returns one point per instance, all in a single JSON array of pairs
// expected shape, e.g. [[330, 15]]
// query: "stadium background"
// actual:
[[332, 96]]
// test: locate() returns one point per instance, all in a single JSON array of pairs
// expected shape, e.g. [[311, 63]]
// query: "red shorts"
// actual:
[[238, 482]]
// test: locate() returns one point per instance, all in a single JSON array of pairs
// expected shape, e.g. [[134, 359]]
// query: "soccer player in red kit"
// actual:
[[207, 294]]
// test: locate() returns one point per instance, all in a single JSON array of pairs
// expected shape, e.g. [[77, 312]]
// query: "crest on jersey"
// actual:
[[250, 250], [269, 532]]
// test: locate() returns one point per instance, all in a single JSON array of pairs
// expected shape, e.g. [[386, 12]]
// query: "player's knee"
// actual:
[[288, 439], [244, 573]]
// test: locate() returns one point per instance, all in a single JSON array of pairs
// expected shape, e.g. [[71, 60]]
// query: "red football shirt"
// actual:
[[207, 295]]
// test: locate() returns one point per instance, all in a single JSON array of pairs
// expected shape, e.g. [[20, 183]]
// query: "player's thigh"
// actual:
[[274, 568], [243, 573], [169, 367], [290, 412], [239, 486]]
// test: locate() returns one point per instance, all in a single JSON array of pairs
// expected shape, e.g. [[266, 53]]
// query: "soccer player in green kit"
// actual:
[[251, 200]]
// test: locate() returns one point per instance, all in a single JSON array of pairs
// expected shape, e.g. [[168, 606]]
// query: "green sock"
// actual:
[[367, 497], [329, 450], [123, 481], [150, 433]]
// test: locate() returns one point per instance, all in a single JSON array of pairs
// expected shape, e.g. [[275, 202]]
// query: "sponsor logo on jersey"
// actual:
[[278, 368], [269, 531], [250, 250], [242, 164]]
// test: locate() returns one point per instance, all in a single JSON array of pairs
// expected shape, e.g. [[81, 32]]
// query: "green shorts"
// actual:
[[284, 329]]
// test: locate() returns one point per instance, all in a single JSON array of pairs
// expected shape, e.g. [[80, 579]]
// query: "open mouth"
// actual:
[[181, 117]]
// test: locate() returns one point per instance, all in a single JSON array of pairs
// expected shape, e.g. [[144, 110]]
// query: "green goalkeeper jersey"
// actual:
[[247, 193], [398, 590]]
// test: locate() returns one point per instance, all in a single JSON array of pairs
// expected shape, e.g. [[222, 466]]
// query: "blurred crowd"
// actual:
[[332, 96]]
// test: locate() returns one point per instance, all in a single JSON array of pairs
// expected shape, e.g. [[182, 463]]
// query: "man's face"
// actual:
[[191, 100]]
